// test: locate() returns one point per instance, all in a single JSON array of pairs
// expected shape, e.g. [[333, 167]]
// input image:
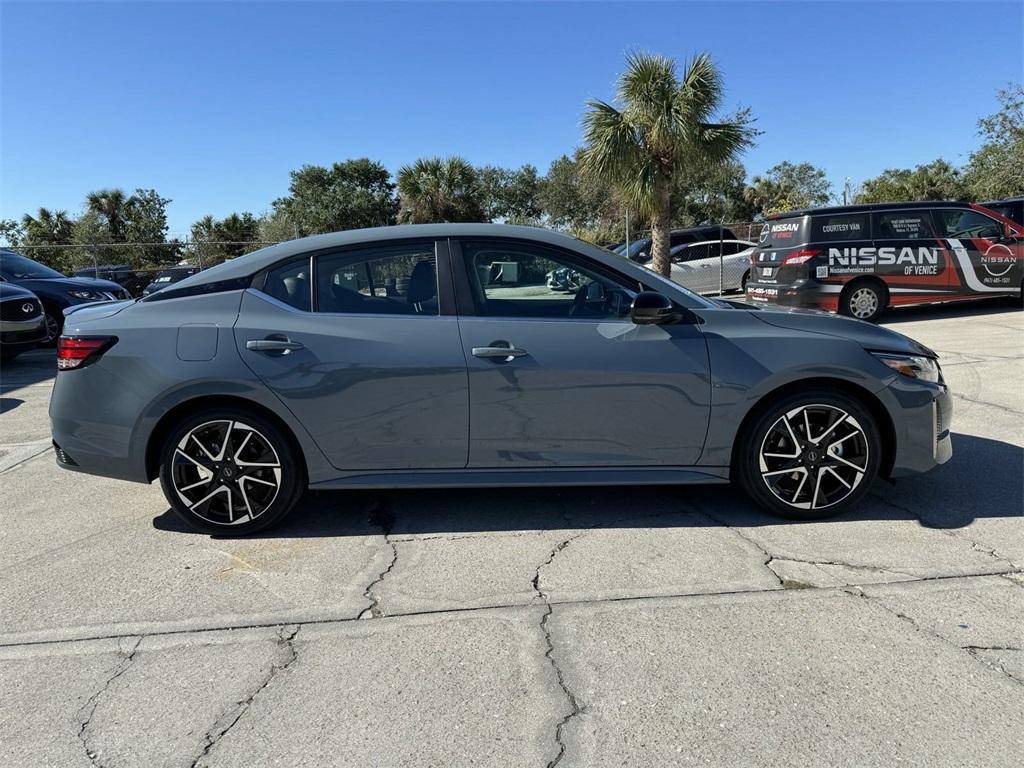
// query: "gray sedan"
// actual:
[[440, 355]]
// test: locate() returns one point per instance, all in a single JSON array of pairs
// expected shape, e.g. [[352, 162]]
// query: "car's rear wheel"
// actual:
[[809, 455], [230, 471], [864, 300]]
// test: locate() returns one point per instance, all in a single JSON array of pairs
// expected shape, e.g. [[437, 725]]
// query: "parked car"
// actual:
[[130, 279], [859, 260], [286, 369], [640, 250], [57, 292], [22, 323], [1012, 208], [712, 266], [169, 277]]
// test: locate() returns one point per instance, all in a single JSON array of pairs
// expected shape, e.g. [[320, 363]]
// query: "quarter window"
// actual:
[[513, 280], [840, 227], [290, 284], [903, 225], [958, 222], [399, 280]]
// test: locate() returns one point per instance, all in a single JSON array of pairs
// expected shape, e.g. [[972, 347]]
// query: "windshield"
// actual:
[[15, 267]]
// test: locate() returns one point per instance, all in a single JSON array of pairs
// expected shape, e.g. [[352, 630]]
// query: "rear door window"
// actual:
[[838, 227], [903, 225]]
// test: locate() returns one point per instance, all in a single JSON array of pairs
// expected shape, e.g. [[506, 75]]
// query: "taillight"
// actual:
[[78, 351], [802, 256]]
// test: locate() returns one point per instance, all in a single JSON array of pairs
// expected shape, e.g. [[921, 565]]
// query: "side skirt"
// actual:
[[534, 476]]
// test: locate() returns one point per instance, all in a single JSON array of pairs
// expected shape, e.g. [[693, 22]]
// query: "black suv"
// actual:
[[859, 260]]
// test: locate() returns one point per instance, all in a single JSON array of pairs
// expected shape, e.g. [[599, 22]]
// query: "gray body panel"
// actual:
[[393, 401]]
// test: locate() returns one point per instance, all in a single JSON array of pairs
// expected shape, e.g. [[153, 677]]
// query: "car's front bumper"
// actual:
[[923, 415], [16, 333]]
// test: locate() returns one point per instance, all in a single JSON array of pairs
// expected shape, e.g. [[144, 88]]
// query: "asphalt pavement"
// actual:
[[527, 627]]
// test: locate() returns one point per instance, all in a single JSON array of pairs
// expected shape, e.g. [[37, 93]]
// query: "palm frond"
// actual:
[[699, 94]]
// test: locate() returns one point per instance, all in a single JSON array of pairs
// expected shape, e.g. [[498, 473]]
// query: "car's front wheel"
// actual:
[[810, 455], [864, 300], [230, 471]]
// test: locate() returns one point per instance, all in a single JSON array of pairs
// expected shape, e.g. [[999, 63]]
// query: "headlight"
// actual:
[[89, 295], [914, 366]]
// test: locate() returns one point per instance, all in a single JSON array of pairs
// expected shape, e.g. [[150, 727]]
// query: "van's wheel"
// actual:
[[809, 455], [864, 300], [230, 471]]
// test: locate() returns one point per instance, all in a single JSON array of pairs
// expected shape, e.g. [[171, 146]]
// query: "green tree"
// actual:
[[43, 232], [710, 194], [937, 180], [571, 199], [662, 124], [90, 232], [275, 227], [435, 189], [996, 169], [11, 232], [787, 186], [510, 195], [145, 226], [109, 205], [348, 195], [214, 240]]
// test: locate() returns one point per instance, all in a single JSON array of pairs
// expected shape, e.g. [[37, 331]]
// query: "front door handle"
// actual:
[[499, 350], [273, 344]]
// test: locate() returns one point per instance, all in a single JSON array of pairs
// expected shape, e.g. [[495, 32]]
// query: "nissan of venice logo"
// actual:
[[28, 308]]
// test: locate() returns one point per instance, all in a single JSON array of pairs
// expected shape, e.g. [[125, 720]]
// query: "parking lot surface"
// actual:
[[577, 627]]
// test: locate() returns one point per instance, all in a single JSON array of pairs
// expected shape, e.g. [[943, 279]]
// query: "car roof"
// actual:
[[1004, 200], [248, 265], [869, 207]]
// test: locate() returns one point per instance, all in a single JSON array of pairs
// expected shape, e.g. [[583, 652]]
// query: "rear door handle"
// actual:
[[273, 345], [499, 350]]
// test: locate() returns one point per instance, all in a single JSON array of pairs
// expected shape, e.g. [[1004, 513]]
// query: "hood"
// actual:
[[71, 283], [869, 336], [13, 291]]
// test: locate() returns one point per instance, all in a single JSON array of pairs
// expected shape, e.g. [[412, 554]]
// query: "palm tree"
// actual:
[[435, 189], [662, 123], [110, 204]]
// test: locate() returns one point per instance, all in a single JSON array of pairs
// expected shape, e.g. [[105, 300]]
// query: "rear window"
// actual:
[[845, 226], [784, 233]]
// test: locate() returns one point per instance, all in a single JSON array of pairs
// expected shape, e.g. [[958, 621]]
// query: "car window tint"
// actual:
[[958, 222], [836, 227], [903, 225], [289, 283], [399, 280], [513, 280]]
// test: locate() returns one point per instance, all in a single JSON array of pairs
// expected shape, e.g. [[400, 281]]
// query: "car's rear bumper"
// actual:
[[806, 294]]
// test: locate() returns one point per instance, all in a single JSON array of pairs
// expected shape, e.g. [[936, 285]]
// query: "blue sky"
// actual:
[[213, 103]]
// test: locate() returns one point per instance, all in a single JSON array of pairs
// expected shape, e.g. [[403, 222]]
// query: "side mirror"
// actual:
[[652, 308]]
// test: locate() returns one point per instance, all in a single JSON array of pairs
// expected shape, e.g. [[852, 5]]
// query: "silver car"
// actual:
[[712, 266], [438, 355]]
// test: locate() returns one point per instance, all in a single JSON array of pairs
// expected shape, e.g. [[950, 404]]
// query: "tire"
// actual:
[[230, 471], [815, 488], [864, 300], [54, 327], [743, 281]]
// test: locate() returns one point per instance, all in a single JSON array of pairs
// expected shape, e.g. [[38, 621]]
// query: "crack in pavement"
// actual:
[[970, 650], [379, 516], [230, 719], [975, 401], [574, 705], [89, 708]]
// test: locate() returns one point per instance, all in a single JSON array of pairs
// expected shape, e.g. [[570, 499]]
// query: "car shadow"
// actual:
[[9, 404], [974, 308], [982, 480], [28, 368]]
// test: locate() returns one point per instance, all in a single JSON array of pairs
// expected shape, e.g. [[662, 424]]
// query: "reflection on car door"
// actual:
[[564, 379], [366, 361]]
